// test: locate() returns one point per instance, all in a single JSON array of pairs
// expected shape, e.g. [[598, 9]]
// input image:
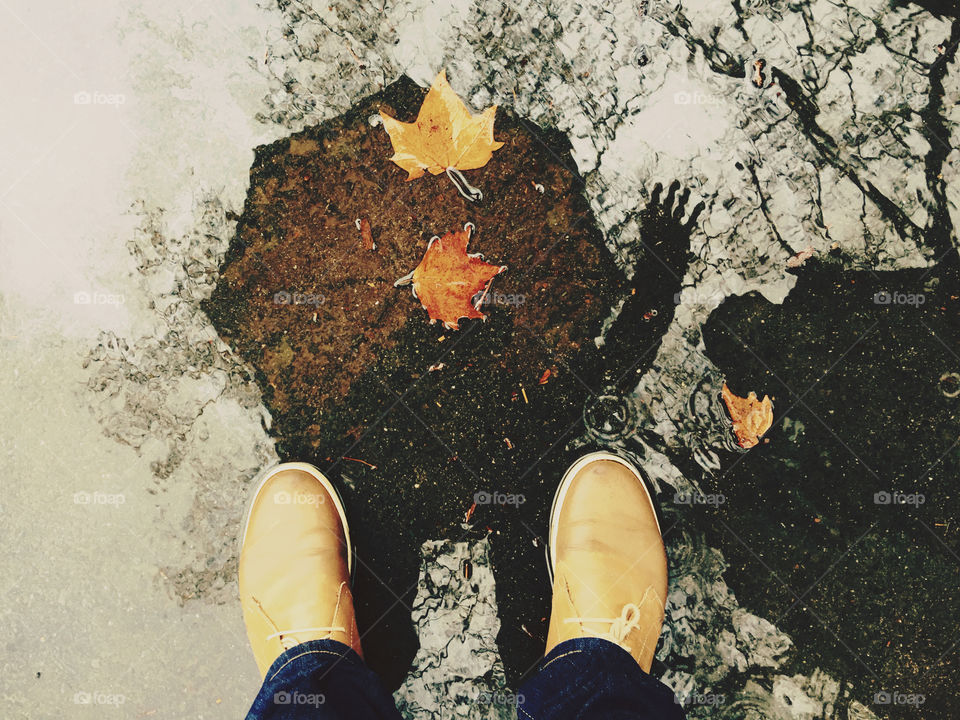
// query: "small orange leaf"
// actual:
[[751, 417], [444, 136], [448, 279], [366, 234]]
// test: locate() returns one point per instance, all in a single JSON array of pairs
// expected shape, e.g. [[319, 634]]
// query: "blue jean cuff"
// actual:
[[594, 679], [309, 681], [302, 659], [604, 649]]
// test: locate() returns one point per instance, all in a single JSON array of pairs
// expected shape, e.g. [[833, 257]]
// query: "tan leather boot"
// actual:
[[607, 558], [295, 562]]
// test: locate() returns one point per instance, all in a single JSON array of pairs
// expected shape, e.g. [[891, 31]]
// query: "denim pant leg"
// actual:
[[322, 680], [594, 679]]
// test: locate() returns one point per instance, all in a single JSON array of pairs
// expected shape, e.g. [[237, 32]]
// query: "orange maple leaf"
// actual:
[[448, 279], [751, 417], [445, 137]]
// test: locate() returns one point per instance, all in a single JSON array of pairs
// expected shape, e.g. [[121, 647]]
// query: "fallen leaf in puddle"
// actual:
[[366, 234], [445, 137], [751, 417], [448, 279]]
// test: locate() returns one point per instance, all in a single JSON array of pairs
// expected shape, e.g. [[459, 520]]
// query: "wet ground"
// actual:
[[845, 520], [416, 420], [852, 489]]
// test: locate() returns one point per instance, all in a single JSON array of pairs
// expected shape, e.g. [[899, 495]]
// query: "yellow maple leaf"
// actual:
[[445, 136]]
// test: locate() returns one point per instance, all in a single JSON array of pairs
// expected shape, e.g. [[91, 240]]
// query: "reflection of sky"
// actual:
[[682, 119]]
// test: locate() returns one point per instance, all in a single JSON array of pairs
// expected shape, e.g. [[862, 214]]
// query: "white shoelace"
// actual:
[[289, 642], [620, 627]]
